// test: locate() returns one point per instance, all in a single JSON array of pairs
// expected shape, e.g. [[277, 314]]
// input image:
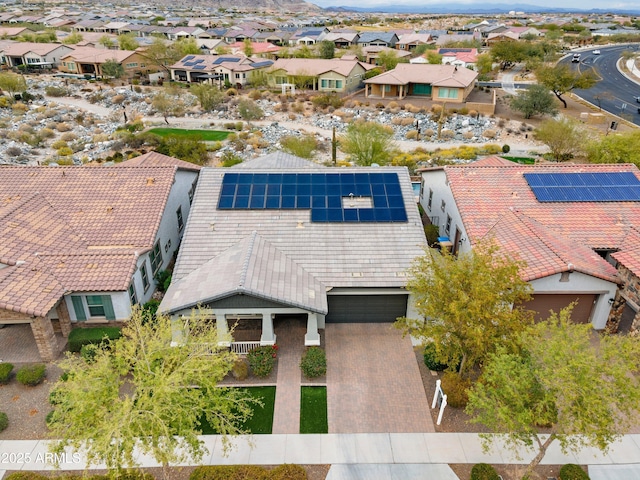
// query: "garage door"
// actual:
[[366, 308], [541, 304]]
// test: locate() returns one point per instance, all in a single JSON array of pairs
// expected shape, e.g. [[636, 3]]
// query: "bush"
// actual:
[[506, 148], [31, 375], [4, 421], [411, 135], [240, 369], [430, 361], [229, 472], [314, 362], [84, 336], [53, 91], [432, 232], [484, 471], [571, 471], [5, 372], [88, 352], [327, 100], [163, 279], [288, 472], [149, 310], [262, 359], [455, 387]]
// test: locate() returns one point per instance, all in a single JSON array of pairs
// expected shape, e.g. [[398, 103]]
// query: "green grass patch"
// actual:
[[262, 419], [313, 410], [203, 135], [521, 160]]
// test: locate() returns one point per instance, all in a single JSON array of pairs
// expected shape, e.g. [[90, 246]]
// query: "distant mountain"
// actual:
[[484, 8]]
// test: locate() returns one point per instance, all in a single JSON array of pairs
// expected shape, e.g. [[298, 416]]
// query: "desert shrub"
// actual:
[[46, 133], [429, 132], [571, 471], [483, 471], [396, 120], [231, 92], [240, 369], [249, 110], [299, 145], [506, 148], [98, 335], [393, 105], [64, 151], [238, 126], [489, 133], [436, 109], [262, 360], [68, 137], [467, 135], [13, 151], [429, 356], [4, 421], [327, 100], [4, 102], [411, 135], [463, 111], [405, 122], [63, 127], [490, 149], [5, 372], [455, 387], [118, 99], [502, 123], [255, 95], [447, 134], [53, 91], [314, 362], [19, 108], [473, 113], [31, 375], [229, 159]]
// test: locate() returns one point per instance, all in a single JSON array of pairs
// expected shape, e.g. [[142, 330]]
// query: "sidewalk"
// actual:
[[344, 449]]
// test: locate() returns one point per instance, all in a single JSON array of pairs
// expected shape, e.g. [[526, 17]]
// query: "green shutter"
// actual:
[[108, 307], [78, 307]]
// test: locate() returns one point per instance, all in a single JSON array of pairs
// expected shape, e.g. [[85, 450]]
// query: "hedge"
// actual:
[[123, 475], [4, 421], [484, 471], [314, 362], [84, 336], [244, 472], [571, 471]]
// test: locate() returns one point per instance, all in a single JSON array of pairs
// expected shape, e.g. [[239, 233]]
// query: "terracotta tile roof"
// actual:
[[155, 159], [484, 194], [493, 162], [75, 228], [629, 254]]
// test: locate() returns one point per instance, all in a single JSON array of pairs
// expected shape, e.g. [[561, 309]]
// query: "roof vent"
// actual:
[[109, 209], [151, 181], [300, 225], [212, 226]]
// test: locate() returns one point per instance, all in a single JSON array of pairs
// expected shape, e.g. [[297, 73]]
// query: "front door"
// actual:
[[456, 242]]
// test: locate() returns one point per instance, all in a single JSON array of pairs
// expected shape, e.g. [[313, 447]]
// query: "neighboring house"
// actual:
[[14, 32], [460, 57], [506, 36], [259, 49], [34, 55], [525, 32], [89, 61], [377, 39], [443, 40], [372, 53], [439, 82], [82, 245], [340, 39], [280, 236], [280, 39], [216, 69], [307, 36], [410, 41], [115, 28], [335, 75], [178, 33], [208, 46], [570, 224]]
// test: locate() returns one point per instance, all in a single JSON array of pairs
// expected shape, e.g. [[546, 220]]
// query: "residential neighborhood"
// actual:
[[288, 240]]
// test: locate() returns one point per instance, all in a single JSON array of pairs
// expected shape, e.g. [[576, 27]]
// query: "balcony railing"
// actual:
[[242, 348]]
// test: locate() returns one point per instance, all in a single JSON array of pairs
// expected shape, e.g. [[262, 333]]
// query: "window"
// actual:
[[447, 92], [156, 258], [180, 221], [237, 76], [132, 294], [98, 306], [443, 205], [132, 65], [447, 227], [192, 191], [327, 83], [145, 277], [281, 80], [387, 88], [338, 83], [429, 203]]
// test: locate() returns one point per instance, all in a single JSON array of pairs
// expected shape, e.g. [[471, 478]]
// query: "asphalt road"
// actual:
[[614, 93]]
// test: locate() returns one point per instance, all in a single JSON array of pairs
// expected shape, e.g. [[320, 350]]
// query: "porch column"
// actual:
[[383, 88], [45, 338], [63, 318], [188, 76], [312, 337], [222, 327], [267, 337]]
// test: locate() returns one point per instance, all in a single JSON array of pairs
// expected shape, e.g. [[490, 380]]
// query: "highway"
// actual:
[[614, 93]]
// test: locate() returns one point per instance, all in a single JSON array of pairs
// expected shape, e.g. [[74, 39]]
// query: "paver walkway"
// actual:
[[373, 381], [290, 340]]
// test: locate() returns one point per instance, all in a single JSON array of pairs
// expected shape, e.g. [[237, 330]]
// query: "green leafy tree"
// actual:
[[388, 59], [586, 394], [73, 38], [507, 53], [564, 137], [433, 58], [209, 96], [303, 52], [368, 142], [247, 47], [185, 46], [327, 49], [106, 41], [620, 148], [12, 83], [302, 146], [536, 100], [466, 304], [140, 394], [127, 41], [484, 64], [561, 79], [249, 110], [112, 68], [188, 148]]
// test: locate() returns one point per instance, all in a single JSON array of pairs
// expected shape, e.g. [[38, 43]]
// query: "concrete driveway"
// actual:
[[373, 381]]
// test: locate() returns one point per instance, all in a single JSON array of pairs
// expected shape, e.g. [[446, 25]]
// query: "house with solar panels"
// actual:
[[217, 69], [280, 237], [575, 226]]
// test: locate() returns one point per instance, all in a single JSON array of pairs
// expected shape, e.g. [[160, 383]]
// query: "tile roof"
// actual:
[[75, 228], [437, 75], [629, 254], [317, 66], [242, 270], [277, 160], [155, 159]]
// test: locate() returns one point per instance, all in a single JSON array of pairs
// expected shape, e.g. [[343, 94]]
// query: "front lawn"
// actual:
[[521, 160], [204, 135], [313, 410], [262, 419]]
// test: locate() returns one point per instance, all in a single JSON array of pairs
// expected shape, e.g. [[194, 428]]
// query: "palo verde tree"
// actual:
[[620, 148], [112, 68], [563, 136], [144, 394], [586, 394], [467, 304], [561, 79], [536, 100], [12, 83], [208, 95], [368, 142]]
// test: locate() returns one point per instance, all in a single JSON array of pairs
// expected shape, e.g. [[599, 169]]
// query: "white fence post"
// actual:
[[443, 403]]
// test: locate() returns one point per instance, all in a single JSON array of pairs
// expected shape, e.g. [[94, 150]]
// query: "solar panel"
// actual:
[[199, 67], [584, 187], [188, 57], [322, 193], [189, 64]]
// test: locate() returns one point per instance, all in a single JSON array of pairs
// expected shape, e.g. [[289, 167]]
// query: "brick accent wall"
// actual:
[[63, 318], [7, 316], [46, 341], [630, 289]]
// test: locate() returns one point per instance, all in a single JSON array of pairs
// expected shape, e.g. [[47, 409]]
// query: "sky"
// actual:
[[578, 4]]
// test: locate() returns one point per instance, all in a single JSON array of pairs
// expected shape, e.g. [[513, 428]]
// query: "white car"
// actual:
[[596, 52]]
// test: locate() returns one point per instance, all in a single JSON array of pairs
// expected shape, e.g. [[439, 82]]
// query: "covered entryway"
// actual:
[[627, 318], [366, 308], [422, 89], [543, 303]]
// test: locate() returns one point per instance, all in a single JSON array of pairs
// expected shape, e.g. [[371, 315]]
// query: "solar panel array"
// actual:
[[327, 195], [584, 187]]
